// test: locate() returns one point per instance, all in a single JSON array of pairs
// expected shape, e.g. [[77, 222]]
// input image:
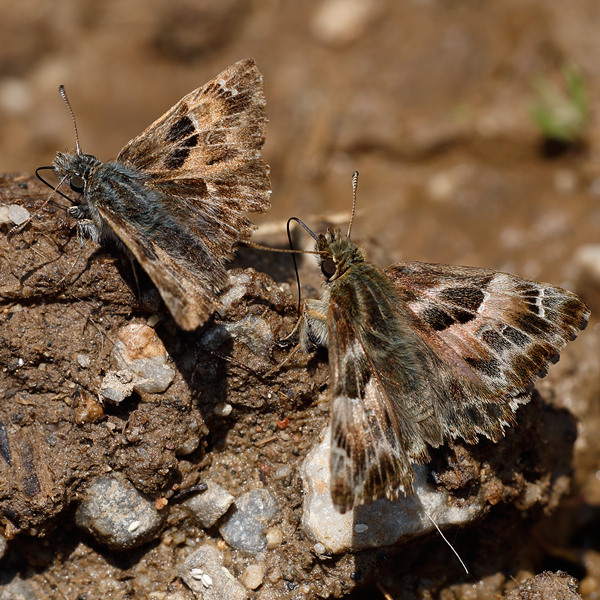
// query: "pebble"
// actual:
[[254, 332], [283, 472], [244, 526], [118, 385], [3, 546], [13, 214], [340, 22], [253, 576], [84, 360], [222, 409], [118, 515], [319, 548], [204, 574], [140, 351], [209, 506], [18, 215], [87, 409], [274, 537], [237, 287], [379, 524]]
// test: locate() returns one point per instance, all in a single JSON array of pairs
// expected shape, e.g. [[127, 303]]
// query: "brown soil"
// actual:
[[429, 101]]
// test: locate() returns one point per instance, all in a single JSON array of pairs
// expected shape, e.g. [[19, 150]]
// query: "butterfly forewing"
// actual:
[[211, 142]]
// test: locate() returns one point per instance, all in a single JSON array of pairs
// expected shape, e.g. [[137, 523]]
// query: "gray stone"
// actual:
[[3, 546], [84, 360], [245, 523], [118, 515], [209, 506], [236, 289], [379, 524], [204, 574], [12, 587]]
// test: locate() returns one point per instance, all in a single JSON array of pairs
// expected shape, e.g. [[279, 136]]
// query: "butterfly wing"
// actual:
[[370, 431], [201, 163], [189, 297], [493, 334]]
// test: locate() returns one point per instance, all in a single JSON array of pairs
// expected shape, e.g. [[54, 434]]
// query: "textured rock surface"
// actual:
[[244, 527], [382, 523], [203, 572], [117, 515], [208, 506]]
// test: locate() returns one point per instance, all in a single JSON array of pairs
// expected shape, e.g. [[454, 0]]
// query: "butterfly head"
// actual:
[[74, 168], [337, 254]]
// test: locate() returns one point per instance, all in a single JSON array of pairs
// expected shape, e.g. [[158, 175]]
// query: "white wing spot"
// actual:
[[481, 308], [538, 301], [223, 84]]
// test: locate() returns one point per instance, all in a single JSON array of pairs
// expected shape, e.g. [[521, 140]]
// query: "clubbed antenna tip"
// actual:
[[354, 186], [63, 95]]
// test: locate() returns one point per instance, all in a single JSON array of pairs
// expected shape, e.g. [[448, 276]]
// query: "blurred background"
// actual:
[[437, 103], [473, 123]]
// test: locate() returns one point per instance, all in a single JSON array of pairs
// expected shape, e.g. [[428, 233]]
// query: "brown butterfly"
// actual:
[[421, 353], [176, 195]]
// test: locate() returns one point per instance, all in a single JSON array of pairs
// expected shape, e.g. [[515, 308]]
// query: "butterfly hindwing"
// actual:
[[367, 457]]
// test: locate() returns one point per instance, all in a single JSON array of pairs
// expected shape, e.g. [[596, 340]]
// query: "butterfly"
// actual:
[[176, 196], [422, 353]]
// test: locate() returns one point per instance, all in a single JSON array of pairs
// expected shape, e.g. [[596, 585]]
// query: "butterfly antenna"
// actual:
[[446, 540], [354, 186], [289, 234], [63, 94]]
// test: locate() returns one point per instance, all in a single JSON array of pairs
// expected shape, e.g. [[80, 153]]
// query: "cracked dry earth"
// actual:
[[229, 416]]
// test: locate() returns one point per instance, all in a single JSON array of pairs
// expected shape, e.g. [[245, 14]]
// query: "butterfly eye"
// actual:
[[328, 267], [77, 183]]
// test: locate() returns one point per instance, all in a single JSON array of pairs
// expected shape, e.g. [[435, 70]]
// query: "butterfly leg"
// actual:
[[311, 329], [313, 324]]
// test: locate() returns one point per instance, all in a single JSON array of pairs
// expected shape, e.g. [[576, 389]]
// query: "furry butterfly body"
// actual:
[[422, 353], [176, 196]]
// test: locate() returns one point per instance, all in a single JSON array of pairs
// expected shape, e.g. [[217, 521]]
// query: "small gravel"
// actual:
[[253, 576], [208, 506], [245, 523], [118, 515], [204, 574]]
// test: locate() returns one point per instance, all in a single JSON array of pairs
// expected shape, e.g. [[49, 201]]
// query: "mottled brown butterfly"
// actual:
[[421, 353], [176, 195]]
